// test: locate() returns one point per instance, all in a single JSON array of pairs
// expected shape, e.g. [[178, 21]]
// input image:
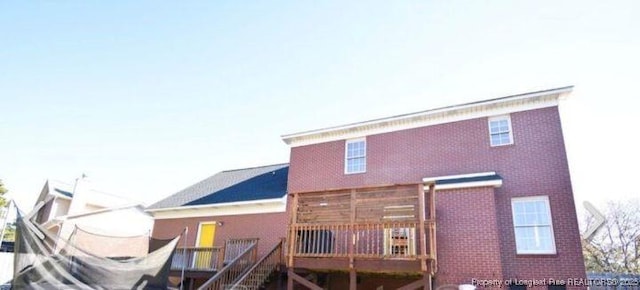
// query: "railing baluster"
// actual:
[[333, 240], [196, 258]]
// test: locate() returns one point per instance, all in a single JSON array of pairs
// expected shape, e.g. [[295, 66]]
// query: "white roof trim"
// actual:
[[480, 183], [432, 179], [492, 183], [219, 205], [505, 105], [278, 205]]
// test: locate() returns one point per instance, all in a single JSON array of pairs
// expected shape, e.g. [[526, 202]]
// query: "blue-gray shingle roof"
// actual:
[[256, 183]]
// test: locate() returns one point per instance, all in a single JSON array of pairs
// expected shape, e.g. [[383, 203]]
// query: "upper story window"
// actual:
[[500, 130], [532, 225], [355, 157]]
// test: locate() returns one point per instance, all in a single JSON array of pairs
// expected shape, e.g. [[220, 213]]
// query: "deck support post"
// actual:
[[353, 279], [292, 233], [427, 281], [423, 234], [431, 199], [290, 279], [292, 239]]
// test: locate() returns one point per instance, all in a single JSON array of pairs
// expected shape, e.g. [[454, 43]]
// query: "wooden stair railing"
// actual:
[[235, 247], [233, 270], [261, 271], [197, 258]]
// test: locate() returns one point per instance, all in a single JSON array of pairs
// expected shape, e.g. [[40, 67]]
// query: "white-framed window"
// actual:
[[355, 156], [532, 225], [500, 132]]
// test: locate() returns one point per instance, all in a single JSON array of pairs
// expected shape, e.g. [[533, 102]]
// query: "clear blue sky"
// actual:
[[148, 97]]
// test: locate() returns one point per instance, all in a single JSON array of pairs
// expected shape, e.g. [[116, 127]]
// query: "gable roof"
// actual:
[[248, 184]]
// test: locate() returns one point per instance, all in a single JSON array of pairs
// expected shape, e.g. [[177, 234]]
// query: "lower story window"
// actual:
[[532, 225]]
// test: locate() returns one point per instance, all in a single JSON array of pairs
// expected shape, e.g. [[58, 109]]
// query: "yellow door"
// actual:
[[206, 235]]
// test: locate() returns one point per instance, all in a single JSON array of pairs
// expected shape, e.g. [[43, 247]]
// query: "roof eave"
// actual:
[[561, 93], [218, 205]]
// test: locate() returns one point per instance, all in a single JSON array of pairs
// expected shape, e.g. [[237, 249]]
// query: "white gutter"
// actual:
[[494, 183]]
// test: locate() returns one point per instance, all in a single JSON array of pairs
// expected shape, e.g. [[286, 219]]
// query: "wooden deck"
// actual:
[[386, 229]]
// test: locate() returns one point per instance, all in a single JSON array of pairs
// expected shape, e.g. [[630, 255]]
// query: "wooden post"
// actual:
[[280, 283], [292, 233], [353, 279], [352, 245], [254, 254], [352, 221], [423, 235], [283, 243], [432, 232], [427, 282], [220, 257], [352, 270]]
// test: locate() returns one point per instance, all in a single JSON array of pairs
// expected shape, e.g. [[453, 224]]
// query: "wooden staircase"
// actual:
[[233, 269], [244, 272], [261, 271]]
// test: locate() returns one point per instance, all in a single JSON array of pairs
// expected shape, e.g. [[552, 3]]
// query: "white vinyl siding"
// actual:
[[500, 132], [532, 225], [355, 159]]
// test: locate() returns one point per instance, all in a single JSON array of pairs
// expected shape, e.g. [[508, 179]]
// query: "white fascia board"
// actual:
[[491, 183], [450, 114], [233, 208]]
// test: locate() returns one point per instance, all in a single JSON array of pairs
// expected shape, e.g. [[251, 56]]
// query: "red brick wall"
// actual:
[[269, 227], [467, 224], [535, 165]]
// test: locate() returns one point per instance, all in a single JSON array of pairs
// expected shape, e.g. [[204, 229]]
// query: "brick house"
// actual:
[[223, 215], [455, 195]]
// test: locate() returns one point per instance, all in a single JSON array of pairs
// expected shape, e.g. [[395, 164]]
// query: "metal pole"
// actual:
[[4, 222], [184, 255]]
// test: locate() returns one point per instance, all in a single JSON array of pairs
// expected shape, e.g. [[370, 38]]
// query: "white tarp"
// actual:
[[6, 267]]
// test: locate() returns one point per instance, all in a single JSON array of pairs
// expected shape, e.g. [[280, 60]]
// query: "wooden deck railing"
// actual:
[[234, 269], [197, 258], [260, 272], [383, 240]]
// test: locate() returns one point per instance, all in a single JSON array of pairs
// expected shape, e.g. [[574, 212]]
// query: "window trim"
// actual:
[[346, 157], [544, 198], [499, 118]]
